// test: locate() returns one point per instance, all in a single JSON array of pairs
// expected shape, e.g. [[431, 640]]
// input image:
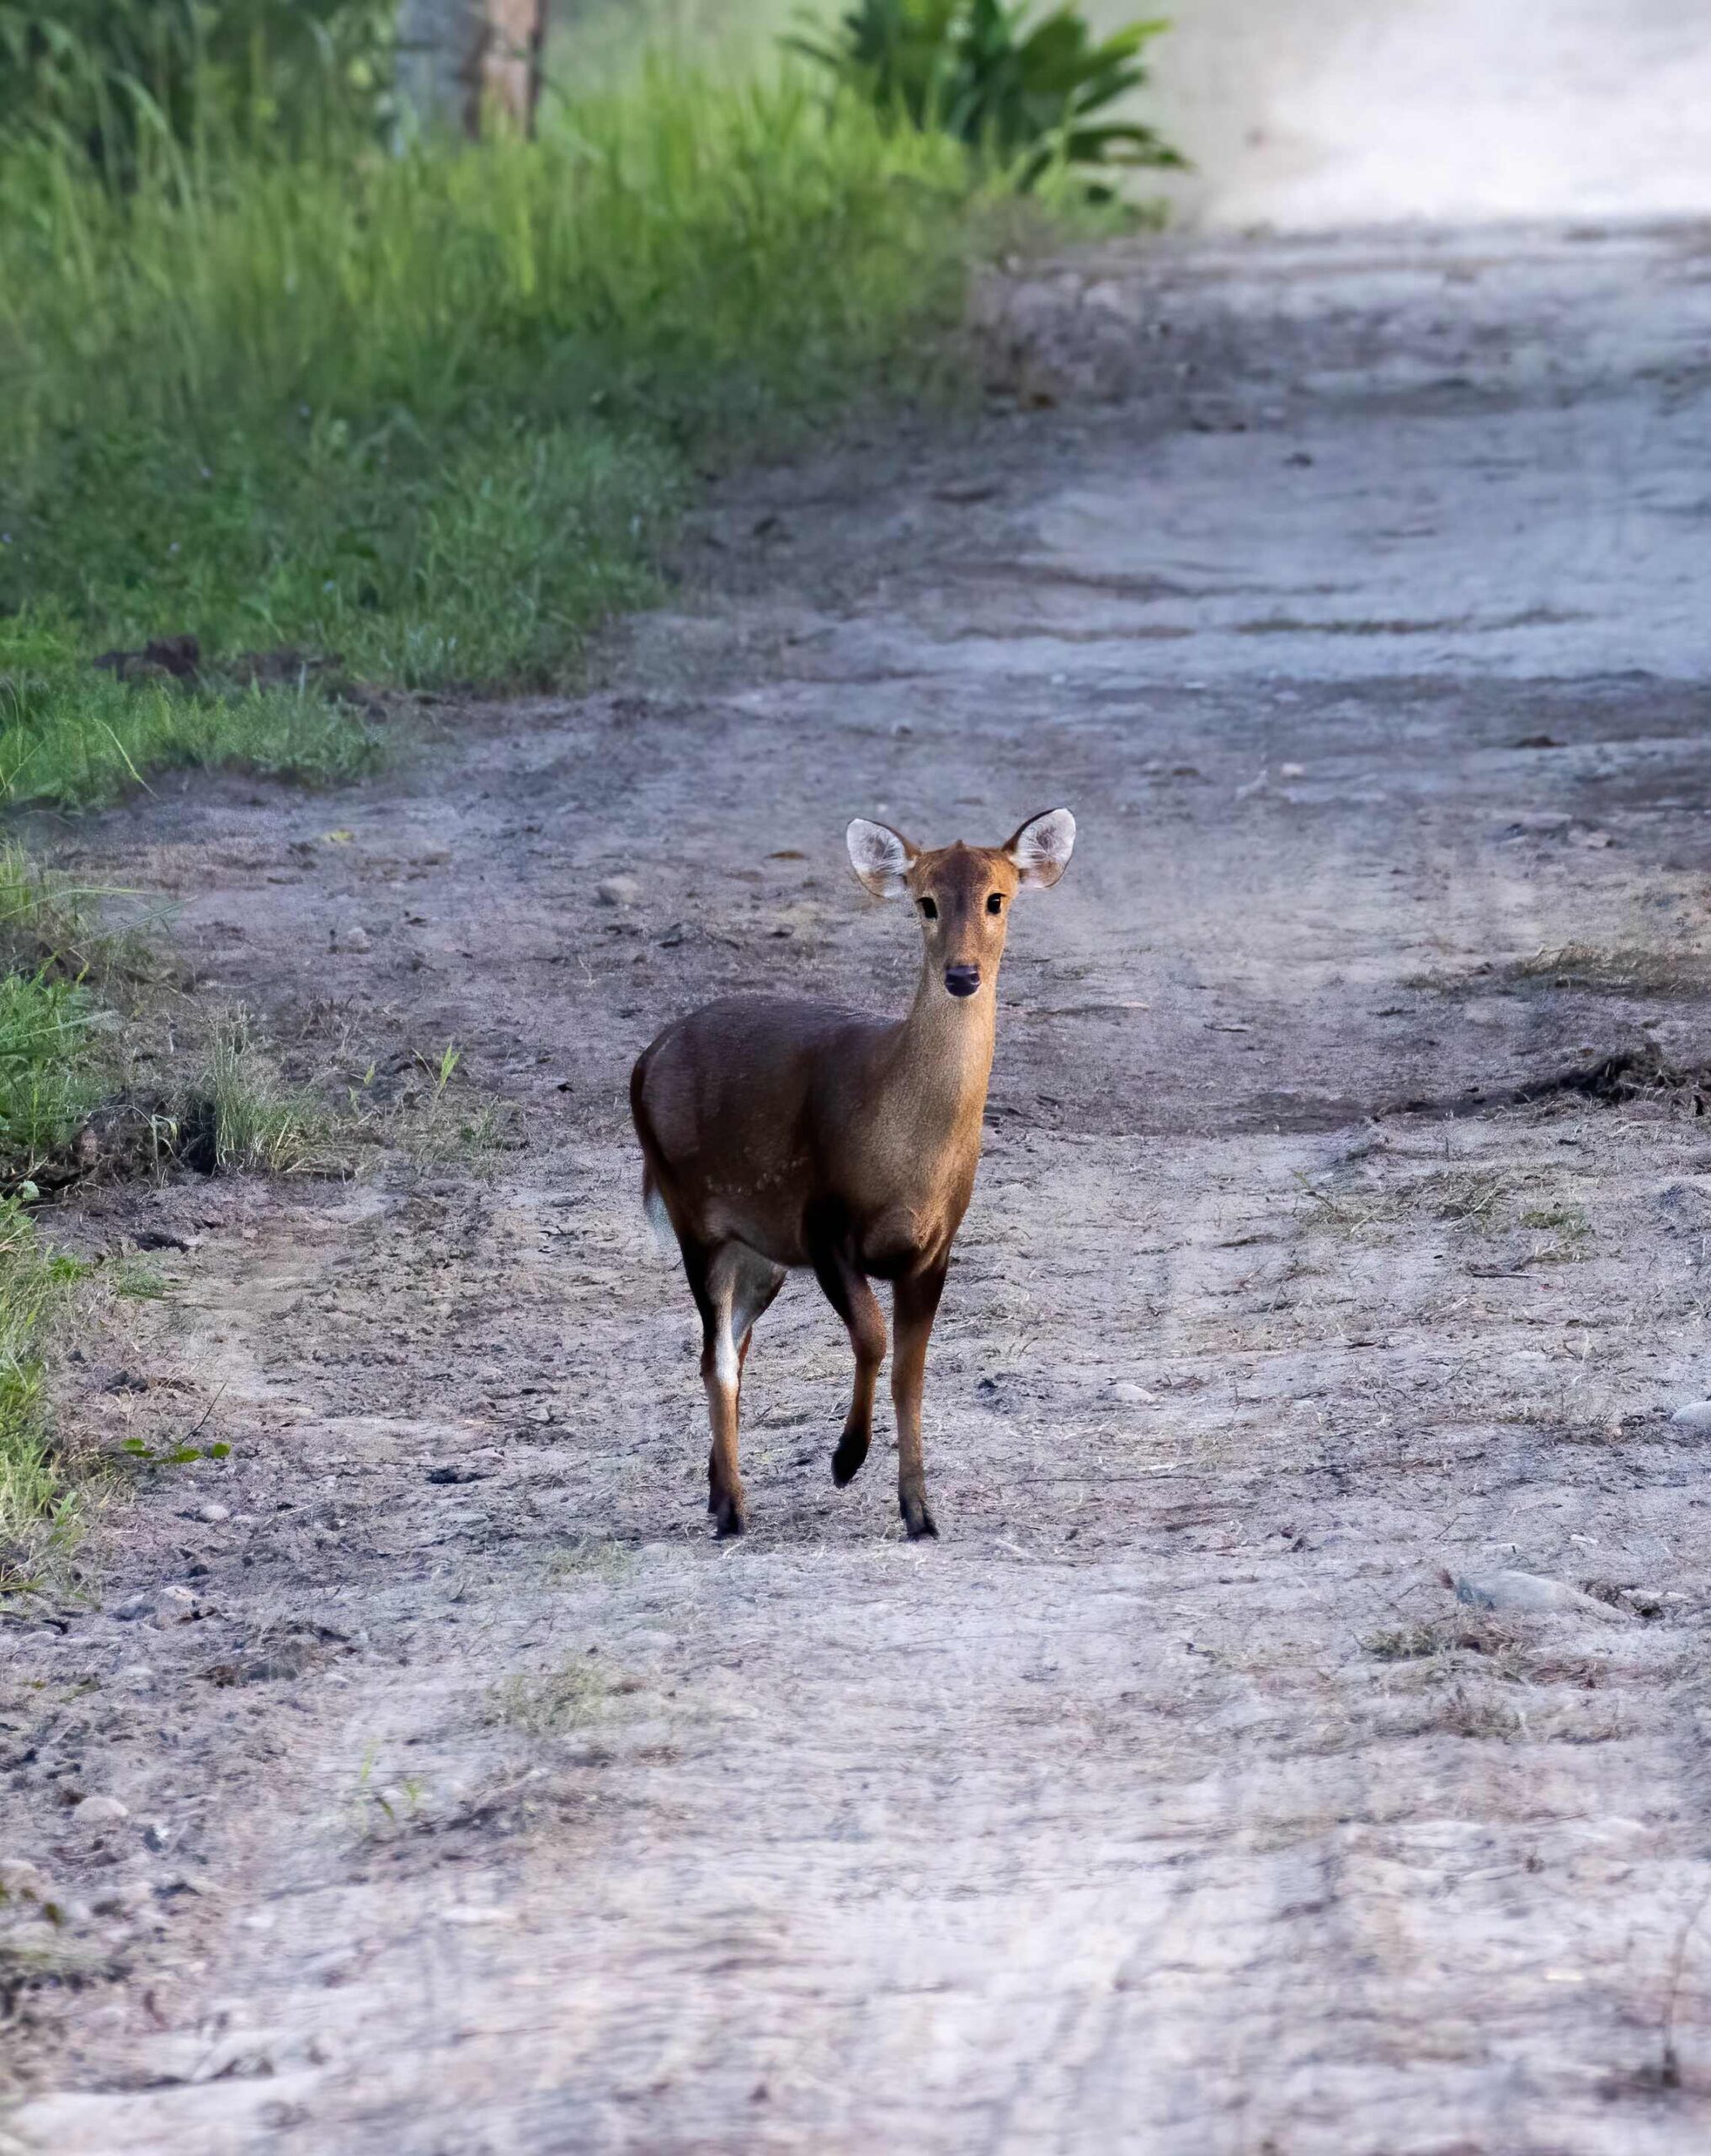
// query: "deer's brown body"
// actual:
[[781, 1134]]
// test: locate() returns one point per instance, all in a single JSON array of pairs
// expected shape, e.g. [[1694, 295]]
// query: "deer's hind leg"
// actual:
[[848, 1292], [732, 1285]]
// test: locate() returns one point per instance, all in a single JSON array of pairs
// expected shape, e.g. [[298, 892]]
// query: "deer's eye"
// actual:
[[930, 911], [994, 904]]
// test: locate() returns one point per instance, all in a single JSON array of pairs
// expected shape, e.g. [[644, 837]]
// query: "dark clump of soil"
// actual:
[[180, 658], [1630, 1074], [134, 1135], [164, 658]]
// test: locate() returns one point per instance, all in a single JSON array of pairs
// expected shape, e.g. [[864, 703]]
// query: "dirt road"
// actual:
[[1353, 594]]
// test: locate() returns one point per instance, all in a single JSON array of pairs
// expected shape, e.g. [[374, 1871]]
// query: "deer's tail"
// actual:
[[654, 1205], [653, 1197]]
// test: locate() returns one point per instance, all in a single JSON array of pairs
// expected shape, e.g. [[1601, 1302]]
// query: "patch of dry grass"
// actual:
[[1628, 969], [553, 1702], [1619, 969]]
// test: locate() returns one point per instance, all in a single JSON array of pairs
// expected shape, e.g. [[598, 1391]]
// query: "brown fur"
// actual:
[[779, 1135]]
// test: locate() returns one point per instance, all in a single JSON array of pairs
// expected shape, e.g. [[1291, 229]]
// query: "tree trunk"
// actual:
[[461, 60]]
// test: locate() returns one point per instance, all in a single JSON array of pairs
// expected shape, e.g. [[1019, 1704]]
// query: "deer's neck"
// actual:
[[944, 1057]]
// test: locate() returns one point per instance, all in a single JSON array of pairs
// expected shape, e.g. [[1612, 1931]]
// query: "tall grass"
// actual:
[[33, 1285], [52, 1073], [54, 1055], [432, 412]]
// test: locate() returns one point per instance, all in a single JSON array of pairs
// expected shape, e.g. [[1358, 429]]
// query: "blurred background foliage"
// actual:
[[113, 78], [333, 396], [1025, 88]]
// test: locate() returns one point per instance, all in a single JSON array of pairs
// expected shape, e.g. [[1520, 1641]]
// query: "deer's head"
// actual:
[[961, 893]]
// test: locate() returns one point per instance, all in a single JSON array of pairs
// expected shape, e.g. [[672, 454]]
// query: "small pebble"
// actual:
[[354, 938], [1693, 1415], [175, 1605], [1124, 1389], [212, 1512], [100, 1811], [126, 1899], [617, 890]]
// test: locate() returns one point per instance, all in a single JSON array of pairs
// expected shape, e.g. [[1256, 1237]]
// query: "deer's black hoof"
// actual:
[[729, 1518], [919, 1521], [846, 1460]]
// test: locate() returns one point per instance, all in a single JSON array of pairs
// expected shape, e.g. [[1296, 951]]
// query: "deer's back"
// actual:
[[745, 1108]]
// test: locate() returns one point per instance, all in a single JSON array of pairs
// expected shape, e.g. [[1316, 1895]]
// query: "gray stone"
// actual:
[[100, 1811], [212, 1512], [617, 890], [1693, 1415], [1530, 1591], [175, 1605]]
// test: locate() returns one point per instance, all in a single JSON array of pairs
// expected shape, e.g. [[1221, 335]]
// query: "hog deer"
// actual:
[[778, 1134]]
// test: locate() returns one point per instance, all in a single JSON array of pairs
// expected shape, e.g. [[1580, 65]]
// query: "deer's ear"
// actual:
[[1040, 850], [880, 856]]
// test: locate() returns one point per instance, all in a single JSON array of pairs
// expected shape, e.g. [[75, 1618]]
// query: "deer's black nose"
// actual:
[[961, 981]]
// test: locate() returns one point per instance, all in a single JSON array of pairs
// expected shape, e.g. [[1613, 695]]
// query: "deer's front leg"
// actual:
[[847, 1290], [914, 1305]]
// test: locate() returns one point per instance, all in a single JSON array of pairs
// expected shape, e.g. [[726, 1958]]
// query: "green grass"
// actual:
[[55, 1046], [71, 734], [33, 1285], [429, 414], [259, 1121], [51, 1071], [54, 1061]]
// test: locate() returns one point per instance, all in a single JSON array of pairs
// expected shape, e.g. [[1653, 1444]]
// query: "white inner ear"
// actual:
[[879, 857], [1041, 849]]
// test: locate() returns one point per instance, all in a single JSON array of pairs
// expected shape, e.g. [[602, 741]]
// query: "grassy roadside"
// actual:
[[106, 1068], [52, 1074], [34, 1285], [429, 414]]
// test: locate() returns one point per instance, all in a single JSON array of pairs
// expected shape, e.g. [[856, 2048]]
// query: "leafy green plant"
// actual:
[[1023, 89], [173, 1455]]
